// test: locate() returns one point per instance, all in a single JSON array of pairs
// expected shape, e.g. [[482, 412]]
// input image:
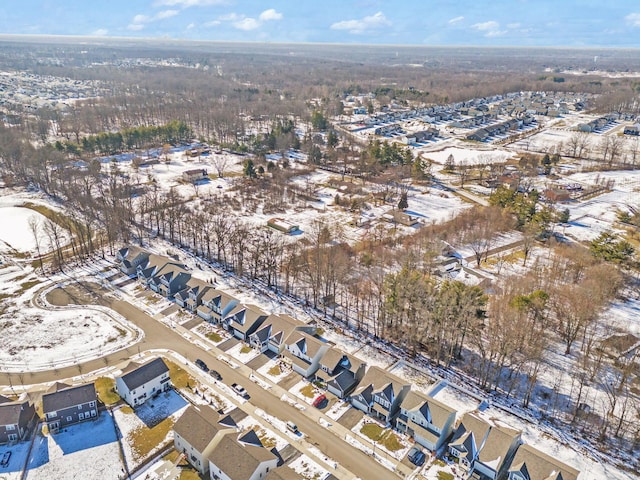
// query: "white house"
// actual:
[[304, 352], [139, 383], [425, 419], [241, 459], [197, 432], [532, 464]]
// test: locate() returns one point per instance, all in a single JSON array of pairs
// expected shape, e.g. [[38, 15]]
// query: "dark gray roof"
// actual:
[[144, 373], [68, 397], [10, 412]]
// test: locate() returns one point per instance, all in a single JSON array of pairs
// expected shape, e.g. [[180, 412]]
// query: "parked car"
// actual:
[[239, 389], [215, 374], [5, 459], [416, 456], [319, 401], [292, 427], [202, 365]]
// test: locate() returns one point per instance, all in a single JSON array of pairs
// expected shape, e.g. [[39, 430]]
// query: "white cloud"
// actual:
[[141, 19], [486, 26], [230, 17], [135, 27], [191, 26], [212, 23], [189, 3], [495, 33], [513, 26], [370, 22], [101, 32], [165, 14], [455, 20], [247, 24], [633, 19], [270, 14]]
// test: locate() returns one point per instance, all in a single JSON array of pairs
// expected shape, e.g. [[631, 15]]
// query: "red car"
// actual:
[[319, 400]]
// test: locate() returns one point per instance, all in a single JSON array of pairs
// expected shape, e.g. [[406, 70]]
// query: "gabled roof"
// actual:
[[238, 461], [243, 317], [496, 446], [470, 434], [282, 473], [62, 396], [10, 411], [136, 375], [130, 252], [308, 344], [434, 411], [380, 380], [332, 358], [199, 425], [196, 286], [536, 465], [217, 297]]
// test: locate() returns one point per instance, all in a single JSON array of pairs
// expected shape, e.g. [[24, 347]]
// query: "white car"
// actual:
[[239, 389]]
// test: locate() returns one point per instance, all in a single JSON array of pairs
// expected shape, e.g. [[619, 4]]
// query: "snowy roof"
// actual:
[[141, 374]]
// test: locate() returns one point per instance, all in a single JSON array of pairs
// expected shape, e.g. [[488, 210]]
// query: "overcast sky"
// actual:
[[606, 23]]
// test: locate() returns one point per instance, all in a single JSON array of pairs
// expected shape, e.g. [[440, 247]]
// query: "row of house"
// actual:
[[480, 447], [597, 124], [501, 128]]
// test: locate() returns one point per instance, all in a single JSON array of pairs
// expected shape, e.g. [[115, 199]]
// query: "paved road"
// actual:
[[160, 336]]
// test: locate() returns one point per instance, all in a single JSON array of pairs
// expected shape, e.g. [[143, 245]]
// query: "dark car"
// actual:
[[202, 365], [416, 456], [215, 374]]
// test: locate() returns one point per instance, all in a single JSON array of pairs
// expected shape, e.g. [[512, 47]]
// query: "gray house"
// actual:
[[64, 405], [130, 257], [273, 332], [215, 305], [191, 296], [244, 320], [340, 372], [425, 419], [17, 417], [169, 279], [482, 448], [304, 352], [380, 394]]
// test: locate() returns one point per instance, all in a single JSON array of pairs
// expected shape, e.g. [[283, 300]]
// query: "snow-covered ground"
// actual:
[[168, 407], [469, 156], [82, 451]]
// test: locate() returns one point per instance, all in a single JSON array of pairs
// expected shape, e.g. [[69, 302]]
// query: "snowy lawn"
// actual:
[[213, 333], [305, 391], [148, 428], [274, 370], [13, 469], [19, 237], [86, 450], [391, 441], [338, 409], [243, 352], [307, 468]]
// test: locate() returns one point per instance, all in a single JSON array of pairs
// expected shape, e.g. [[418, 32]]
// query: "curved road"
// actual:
[[159, 336]]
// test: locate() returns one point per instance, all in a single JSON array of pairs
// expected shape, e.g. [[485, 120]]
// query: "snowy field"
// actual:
[[18, 237], [469, 156], [82, 451]]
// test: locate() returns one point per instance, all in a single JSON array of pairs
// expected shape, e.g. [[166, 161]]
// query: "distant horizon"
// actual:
[[500, 23], [140, 39]]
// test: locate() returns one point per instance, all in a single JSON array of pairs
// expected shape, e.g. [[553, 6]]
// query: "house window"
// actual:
[[79, 407], [92, 404], [69, 419], [52, 415], [12, 437], [10, 427]]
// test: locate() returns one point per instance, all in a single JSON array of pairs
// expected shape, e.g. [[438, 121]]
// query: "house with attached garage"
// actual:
[[17, 417], [191, 296], [340, 372], [270, 336], [130, 257], [216, 305], [426, 420], [139, 383], [64, 405], [197, 432], [303, 352], [149, 268], [169, 279], [244, 320], [483, 449], [380, 394]]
